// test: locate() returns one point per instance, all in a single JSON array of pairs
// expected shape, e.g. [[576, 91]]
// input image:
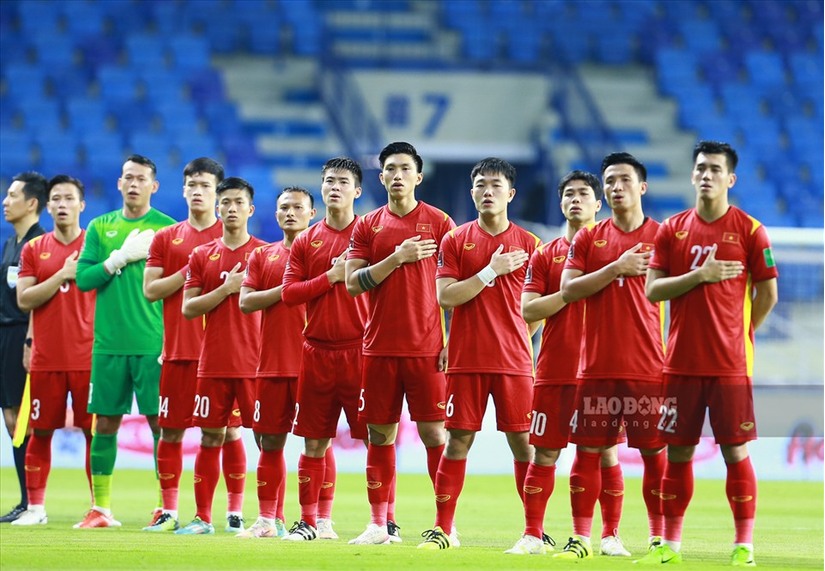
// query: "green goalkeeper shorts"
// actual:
[[115, 378]]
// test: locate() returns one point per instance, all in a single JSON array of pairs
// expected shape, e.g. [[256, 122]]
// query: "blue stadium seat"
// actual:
[[24, 81], [55, 50], [145, 50], [189, 53], [765, 69], [206, 86], [83, 18], [118, 85], [41, 115], [86, 115], [17, 155], [701, 36], [37, 18], [153, 145]]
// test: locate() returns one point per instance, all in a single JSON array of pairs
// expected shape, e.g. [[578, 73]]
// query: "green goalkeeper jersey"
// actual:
[[126, 323]]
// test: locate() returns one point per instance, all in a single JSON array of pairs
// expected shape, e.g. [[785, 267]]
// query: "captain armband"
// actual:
[[365, 279]]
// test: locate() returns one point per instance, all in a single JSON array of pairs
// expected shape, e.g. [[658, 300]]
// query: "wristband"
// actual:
[[487, 275]]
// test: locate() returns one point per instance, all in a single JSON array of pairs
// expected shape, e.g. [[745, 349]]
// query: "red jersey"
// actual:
[[561, 339], [170, 250], [711, 333], [334, 317], [623, 331], [63, 326], [487, 334], [281, 325], [232, 340], [404, 318]]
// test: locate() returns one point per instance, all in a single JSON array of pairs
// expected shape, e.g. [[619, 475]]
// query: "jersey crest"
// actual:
[[600, 243]]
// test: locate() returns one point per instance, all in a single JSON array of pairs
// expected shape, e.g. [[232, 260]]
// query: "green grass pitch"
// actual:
[[789, 532]]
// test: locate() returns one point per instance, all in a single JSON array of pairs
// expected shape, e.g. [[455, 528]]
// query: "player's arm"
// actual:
[[156, 287], [254, 300], [536, 307], [361, 277], [766, 295], [452, 293], [576, 285], [298, 289], [196, 303], [31, 294], [660, 286]]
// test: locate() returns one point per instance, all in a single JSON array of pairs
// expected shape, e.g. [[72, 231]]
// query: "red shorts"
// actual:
[[467, 395], [274, 406], [553, 407], [178, 381], [49, 393], [608, 408], [329, 382], [729, 401], [385, 381], [220, 401]]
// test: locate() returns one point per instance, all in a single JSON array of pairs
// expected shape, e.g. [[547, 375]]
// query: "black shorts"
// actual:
[[12, 373]]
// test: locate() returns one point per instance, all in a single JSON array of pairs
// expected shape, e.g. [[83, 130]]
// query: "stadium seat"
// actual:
[[145, 50], [765, 69], [189, 53]]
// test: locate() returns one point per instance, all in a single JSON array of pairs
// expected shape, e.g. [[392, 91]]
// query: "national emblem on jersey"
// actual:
[[646, 247], [423, 227], [730, 237]]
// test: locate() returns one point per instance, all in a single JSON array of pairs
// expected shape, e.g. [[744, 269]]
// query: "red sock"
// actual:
[[310, 479], [38, 464], [538, 487], [391, 500], [170, 467], [89, 466], [434, 454], [611, 499], [281, 466], [234, 474], [380, 475], [207, 472], [268, 483], [740, 487], [328, 486], [677, 491], [585, 485], [448, 486], [651, 491], [520, 471]]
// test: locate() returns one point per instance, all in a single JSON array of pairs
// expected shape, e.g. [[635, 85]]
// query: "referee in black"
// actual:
[[22, 205]]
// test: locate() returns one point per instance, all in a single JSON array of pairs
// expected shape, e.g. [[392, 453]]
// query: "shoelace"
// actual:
[[547, 540], [577, 547], [438, 537]]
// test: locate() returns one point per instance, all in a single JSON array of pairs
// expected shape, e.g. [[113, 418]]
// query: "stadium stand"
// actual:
[[85, 82]]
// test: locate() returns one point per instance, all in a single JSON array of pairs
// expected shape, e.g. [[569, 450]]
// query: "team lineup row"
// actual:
[[280, 338]]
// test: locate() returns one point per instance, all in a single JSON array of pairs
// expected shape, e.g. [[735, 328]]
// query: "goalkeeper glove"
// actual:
[[134, 248]]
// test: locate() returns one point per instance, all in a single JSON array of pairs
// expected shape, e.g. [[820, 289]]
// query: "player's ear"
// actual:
[[598, 205], [732, 180], [358, 191], [82, 205], [511, 195], [155, 186]]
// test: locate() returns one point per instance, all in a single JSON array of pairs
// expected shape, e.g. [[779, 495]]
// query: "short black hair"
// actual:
[[343, 164], [493, 166], [66, 179], [235, 183], [588, 178], [717, 148], [204, 165], [34, 186], [299, 190], [401, 148], [623, 158], [145, 161]]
